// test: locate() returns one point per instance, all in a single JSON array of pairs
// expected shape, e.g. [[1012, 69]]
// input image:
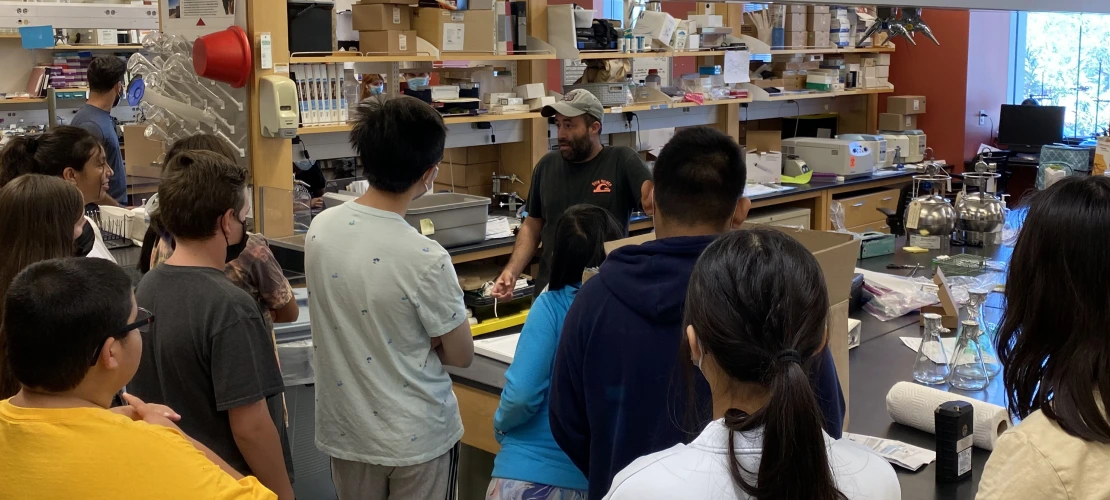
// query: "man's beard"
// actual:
[[580, 150]]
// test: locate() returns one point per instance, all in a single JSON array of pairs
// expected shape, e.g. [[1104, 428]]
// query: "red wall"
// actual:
[[988, 75], [966, 73], [939, 74]]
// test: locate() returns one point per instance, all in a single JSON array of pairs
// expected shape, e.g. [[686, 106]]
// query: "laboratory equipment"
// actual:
[[976, 303], [979, 214], [917, 147], [795, 171], [831, 156], [931, 365], [877, 145], [930, 218], [968, 371], [897, 147], [278, 106], [1027, 128], [955, 433]]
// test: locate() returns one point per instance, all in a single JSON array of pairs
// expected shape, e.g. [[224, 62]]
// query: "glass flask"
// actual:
[[931, 365], [976, 303], [968, 372]]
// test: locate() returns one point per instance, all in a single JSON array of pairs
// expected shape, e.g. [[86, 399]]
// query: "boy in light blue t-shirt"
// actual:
[[387, 316]]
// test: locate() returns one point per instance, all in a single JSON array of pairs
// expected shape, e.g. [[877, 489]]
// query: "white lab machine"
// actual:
[[831, 156], [917, 136], [876, 143], [897, 147], [278, 103]]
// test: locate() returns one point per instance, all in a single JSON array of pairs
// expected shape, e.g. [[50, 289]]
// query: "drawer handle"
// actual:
[[888, 198], [860, 204]]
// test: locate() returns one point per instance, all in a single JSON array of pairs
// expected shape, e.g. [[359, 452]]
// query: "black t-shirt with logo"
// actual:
[[612, 180]]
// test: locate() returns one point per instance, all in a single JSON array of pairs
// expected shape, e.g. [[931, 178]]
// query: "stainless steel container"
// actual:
[[979, 215], [930, 218]]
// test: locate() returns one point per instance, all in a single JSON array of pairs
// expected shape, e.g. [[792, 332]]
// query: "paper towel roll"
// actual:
[[914, 405]]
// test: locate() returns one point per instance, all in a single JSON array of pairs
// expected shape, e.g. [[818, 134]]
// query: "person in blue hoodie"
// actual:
[[617, 391], [530, 465]]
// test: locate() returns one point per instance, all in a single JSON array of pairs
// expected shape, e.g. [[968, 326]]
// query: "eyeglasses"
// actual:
[[143, 320]]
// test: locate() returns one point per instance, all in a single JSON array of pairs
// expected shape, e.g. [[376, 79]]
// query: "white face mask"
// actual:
[[429, 183], [701, 354]]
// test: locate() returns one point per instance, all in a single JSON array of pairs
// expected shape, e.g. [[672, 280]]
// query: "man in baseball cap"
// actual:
[[582, 171]]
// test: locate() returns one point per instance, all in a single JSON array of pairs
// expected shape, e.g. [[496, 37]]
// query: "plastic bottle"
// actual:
[[653, 80], [630, 87]]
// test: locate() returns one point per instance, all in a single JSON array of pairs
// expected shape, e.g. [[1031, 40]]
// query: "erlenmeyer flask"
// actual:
[[976, 302], [968, 371], [931, 365]]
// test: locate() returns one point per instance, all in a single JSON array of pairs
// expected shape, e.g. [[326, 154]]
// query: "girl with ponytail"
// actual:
[[755, 315]]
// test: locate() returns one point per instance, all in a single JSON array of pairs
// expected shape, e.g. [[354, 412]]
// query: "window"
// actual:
[[1064, 60], [610, 9]]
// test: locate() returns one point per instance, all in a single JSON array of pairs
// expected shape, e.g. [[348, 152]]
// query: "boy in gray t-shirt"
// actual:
[[387, 316]]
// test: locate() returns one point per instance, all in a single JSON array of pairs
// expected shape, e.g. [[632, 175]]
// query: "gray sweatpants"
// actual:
[[434, 480]]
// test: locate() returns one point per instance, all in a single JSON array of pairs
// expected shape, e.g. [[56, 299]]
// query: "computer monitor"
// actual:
[[1030, 127]]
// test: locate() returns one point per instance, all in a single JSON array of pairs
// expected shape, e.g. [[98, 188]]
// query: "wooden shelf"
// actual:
[[89, 48], [23, 100], [829, 94], [832, 50], [452, 56], [13, 36], [584, 56], [449, 120], [677, 105]]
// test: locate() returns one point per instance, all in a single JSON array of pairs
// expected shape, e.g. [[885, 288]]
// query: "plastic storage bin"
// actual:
[[456, 219]]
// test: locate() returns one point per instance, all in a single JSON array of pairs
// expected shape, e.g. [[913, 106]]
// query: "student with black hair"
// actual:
[[1055, 351], [74, 341], [211, 356], [754, 329], [530, 465], [387, 316], [73, 154], [106, 88], [624, 330]]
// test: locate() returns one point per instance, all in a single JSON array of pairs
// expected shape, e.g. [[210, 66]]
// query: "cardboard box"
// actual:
[[478, 174], [141, 153], [471, 155], [708, 21], [893, 122], [869, 72], [530, 91], [796, 39], [658, 25], [883, 59], [766, 84], [882, 71], [387, 42], [869, 61], [1102, 156], [539, 102], [817, 9], [381, 17], [818, 22], [818, 39], [763, 166], [836, 253], [906, 104], [794, 83], [764, 140], [481, 4], [795, 22], [457, 31], [795, 9]]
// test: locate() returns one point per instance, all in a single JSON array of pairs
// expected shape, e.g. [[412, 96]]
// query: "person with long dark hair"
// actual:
[[530, 465], [40, 217], [73, 154], [754, 326], [1055, 350]]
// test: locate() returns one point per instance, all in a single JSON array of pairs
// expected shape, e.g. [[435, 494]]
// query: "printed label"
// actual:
[[926, 242], [963, 463], [457, 17], [403, 42], [913, 215], [453, 36], [917, 105], [396, 15]]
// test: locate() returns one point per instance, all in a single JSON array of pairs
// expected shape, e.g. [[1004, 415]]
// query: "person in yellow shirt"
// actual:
[[1055, 351], [73, 341]]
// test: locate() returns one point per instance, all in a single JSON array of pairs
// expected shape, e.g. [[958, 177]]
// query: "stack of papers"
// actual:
[[498, 227], [762, 189], [500, 348]]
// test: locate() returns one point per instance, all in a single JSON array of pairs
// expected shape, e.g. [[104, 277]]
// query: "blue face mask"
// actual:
[[377, 90], [419, 81], [303, 164]]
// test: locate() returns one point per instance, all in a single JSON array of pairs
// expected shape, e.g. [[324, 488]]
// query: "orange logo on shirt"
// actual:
[[602, 186]]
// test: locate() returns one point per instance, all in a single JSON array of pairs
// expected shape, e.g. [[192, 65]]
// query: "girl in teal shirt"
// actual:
[[530, 465]]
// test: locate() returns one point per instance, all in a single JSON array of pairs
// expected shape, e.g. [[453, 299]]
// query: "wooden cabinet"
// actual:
[[863, 209], [877, 227]]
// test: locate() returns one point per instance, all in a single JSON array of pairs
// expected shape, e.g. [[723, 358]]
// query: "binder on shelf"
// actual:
[[322, 93], [333, 93], [343, 114], [302, 91], [313, 100]]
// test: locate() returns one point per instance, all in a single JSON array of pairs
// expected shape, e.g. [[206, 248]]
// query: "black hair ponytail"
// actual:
[[18, 158], [758, 307]]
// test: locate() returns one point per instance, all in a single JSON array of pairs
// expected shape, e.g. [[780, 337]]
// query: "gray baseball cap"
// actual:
[[577, 102]]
